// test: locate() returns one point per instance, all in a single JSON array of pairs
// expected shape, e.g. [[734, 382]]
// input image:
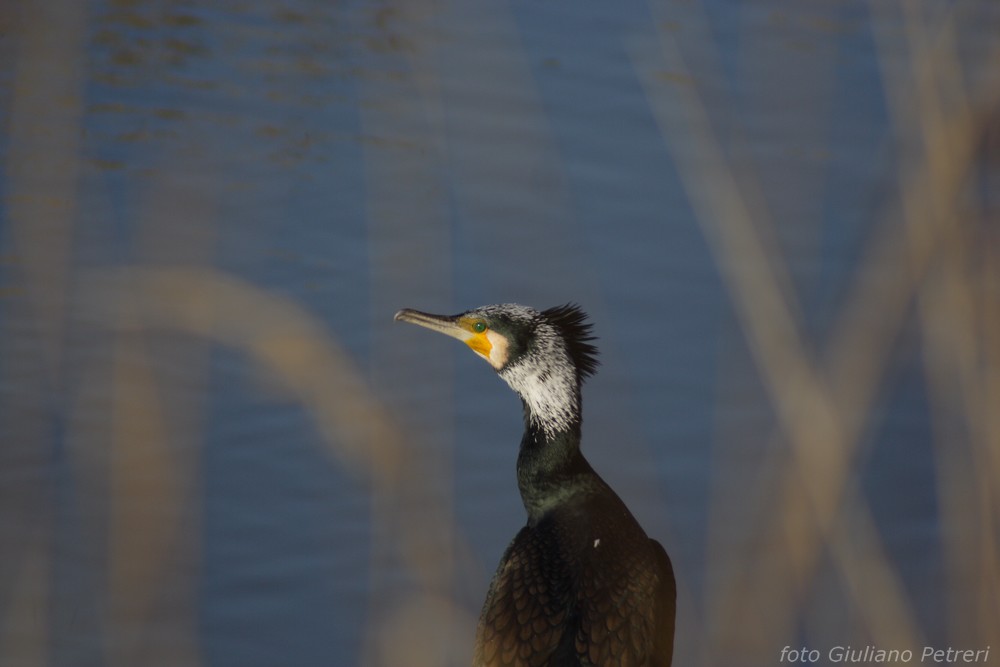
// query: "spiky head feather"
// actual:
[[571, 322]]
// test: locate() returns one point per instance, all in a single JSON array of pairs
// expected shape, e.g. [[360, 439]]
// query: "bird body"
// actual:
[[581, 583]]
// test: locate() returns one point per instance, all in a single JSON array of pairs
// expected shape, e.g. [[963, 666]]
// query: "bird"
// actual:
[[581, 584]]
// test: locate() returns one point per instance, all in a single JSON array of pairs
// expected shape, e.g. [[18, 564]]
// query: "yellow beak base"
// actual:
[[460, 328]]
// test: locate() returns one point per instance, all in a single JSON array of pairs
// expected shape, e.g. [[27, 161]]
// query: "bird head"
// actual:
[[510, 336], [544, 356]]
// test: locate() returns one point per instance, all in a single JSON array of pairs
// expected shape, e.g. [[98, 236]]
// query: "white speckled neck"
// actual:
[[547, 383]]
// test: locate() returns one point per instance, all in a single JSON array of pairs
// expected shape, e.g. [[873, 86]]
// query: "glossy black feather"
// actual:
[[582, 586]]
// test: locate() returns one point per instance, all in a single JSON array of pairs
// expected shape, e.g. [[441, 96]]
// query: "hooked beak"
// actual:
[[440, 323], [487, 344]]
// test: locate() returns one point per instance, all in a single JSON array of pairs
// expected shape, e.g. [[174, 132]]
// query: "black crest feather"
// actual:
[[572, 323]]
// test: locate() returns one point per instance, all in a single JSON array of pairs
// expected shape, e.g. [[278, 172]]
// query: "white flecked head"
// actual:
[[544, 356]]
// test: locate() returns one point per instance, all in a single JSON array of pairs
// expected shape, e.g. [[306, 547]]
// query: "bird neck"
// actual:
[[549, 388], [550, 465]]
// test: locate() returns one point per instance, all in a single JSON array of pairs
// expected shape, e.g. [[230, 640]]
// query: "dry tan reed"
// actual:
[[933, 255]]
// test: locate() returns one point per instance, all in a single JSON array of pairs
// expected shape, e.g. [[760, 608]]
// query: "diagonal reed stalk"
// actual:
[[820, 400], [927, 255]]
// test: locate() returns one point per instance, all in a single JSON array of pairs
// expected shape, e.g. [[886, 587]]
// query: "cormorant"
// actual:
[[581, 583]]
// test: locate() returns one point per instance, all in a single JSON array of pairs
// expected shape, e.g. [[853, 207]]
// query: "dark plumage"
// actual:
[[581, 584], [572, 324]]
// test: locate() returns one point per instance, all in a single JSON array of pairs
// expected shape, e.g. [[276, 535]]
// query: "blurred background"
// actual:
[[217, 449]]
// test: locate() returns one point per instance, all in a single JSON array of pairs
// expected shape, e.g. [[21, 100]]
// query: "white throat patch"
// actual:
[[498, 350]]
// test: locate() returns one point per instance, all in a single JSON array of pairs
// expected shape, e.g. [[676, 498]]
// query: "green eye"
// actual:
[[479, 326]]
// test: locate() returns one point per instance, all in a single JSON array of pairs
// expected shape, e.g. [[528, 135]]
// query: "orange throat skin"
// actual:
[[480, 344], [489, 345]]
